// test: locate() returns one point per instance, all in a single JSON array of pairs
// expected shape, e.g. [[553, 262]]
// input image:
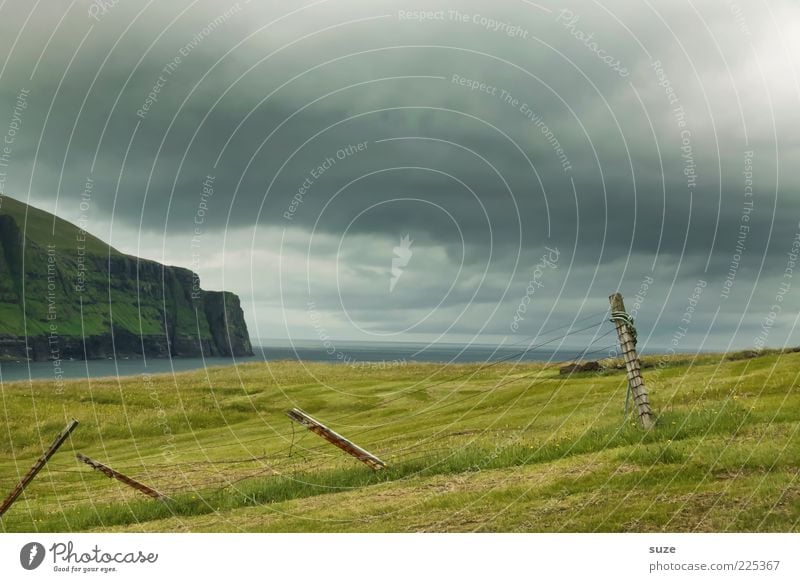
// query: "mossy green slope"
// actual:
[[65, 293]]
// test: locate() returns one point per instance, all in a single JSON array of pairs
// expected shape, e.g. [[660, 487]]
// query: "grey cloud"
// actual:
[[620, 135]]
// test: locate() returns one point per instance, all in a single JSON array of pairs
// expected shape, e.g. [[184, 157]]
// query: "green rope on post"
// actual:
[[627, 320]]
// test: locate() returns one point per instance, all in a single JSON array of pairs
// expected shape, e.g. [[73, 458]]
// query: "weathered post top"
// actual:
[[617, 304]]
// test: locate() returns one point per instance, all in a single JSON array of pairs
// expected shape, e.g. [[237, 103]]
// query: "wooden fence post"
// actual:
[[111, 473], [60, 439], [627, 342], [335, 439]]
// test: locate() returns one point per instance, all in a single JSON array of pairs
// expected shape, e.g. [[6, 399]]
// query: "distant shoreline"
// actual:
[[375, 359]]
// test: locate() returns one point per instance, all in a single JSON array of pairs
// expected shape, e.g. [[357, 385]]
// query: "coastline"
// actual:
[[131, 366]]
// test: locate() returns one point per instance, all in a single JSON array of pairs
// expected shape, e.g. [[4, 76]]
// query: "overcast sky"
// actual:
[[629, 143]]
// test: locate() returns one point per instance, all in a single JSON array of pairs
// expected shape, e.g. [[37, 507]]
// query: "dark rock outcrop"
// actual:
[[580, 367]]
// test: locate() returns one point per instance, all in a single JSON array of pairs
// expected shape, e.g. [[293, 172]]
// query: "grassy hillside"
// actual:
[[57, 279], [41, 230], [44, 226], [508, 448]]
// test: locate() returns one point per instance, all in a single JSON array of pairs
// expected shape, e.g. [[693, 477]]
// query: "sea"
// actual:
[[363, 355]]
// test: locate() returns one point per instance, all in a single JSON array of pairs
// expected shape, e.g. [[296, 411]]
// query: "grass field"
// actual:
[[504, 448]]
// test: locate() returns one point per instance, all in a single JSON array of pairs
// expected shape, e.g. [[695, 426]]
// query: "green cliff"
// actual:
[[66, 294]]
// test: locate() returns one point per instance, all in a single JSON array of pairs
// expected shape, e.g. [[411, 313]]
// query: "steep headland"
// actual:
[[66, 294]]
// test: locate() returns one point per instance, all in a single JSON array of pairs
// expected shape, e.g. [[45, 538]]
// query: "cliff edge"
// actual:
[[66, 294]]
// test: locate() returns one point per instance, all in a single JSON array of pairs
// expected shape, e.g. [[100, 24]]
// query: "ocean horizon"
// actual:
[[353, 353]]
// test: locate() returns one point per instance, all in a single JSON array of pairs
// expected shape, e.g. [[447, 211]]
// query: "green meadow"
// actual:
[[508, 447]]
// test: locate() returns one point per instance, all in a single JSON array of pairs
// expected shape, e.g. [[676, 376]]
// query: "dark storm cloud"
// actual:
[[617, 134]]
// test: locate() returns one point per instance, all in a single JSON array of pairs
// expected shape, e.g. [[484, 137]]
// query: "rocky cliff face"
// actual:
[[66, 294]]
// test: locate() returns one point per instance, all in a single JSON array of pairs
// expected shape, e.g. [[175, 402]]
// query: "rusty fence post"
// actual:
[[38, 466], [626, 333], [335, 439], [112, 474]]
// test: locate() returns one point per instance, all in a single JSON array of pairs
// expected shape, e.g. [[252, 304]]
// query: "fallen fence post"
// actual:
[[111, 473], [335, 439], [627, 341], [60, 439]]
